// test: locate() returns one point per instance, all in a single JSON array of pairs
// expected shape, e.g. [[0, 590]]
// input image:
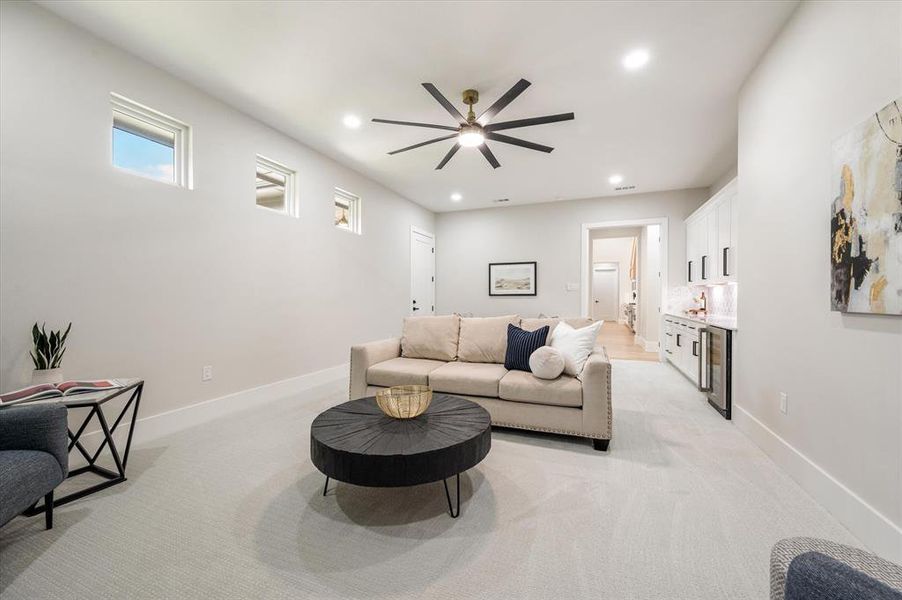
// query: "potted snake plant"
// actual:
[[47, 354]]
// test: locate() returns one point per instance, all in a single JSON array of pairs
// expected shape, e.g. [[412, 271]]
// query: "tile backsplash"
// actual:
[[721, 299]]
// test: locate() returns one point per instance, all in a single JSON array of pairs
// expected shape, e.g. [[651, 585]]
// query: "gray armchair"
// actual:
[[34, 457], [804, 568]]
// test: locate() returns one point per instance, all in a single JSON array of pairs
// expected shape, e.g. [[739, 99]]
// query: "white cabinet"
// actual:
[[681, 346], [724, 227], [712, 240]]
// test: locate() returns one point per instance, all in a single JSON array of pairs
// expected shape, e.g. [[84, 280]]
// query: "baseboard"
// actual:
[[647, 345], [153, 427], [875, 530]]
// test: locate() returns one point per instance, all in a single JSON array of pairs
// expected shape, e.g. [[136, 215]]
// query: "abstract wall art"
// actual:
[[866, 223]]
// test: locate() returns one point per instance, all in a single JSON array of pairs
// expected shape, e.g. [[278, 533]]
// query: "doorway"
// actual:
[[422, 272], [605, 291], [638, 250]]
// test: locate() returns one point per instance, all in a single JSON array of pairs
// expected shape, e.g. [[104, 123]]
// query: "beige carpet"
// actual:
[[683, 506]]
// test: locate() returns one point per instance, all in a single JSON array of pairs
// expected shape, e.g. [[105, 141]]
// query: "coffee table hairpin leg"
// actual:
[[454, 515]]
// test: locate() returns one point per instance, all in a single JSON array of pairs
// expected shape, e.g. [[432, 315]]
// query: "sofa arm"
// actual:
[[40, 426], [363, 356], [596, 380]]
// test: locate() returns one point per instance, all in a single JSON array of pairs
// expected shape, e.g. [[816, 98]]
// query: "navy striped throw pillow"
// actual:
[[522, 343]]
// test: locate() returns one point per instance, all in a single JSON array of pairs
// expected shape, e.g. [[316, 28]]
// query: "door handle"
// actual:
[[726, 266], [415, 308], [706, 386]]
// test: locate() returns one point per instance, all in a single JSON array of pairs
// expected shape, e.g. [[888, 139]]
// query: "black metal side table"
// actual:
[[96, 401]]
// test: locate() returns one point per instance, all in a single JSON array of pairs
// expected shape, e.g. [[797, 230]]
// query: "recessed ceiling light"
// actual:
[[456, 197], [351, 121], [615, 179], [636, 59]]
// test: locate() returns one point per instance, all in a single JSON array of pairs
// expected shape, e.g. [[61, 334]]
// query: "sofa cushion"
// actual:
[[470, 379], [430, 337], [521, 386], [520, 346], [402, 371], [25, 477], [546, 363], [575, 344], [533, 324], [484, 339]]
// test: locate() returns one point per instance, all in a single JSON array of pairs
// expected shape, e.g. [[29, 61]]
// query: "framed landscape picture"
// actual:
[[866, 219], [512, 279]]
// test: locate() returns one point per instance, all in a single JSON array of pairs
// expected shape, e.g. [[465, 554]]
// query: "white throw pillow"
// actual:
[[575, 344], [546, 362]]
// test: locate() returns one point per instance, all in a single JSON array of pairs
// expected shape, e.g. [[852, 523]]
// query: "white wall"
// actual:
[[649, 317], [159, 280], [832, 66], [549, 234], [722, 181], [616, 250]]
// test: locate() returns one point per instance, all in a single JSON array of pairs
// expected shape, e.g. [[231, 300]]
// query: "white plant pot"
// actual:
[[39, 376]]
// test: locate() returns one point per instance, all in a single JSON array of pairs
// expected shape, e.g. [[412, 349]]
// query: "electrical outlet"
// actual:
[[572, 287], [784, 402], [207, 373]]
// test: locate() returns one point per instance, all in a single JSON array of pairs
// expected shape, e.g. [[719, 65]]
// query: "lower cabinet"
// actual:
[[681, 346]]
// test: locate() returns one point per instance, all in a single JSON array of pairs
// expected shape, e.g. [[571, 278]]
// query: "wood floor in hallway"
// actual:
[[620, 343]]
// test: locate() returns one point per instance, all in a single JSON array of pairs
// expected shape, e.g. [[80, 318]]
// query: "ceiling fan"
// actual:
[[473, 131]]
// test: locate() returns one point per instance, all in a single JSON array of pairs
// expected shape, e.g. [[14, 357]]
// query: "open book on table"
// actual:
[[46, 391]]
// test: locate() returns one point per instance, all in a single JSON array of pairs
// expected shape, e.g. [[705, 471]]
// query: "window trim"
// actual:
[[355, 210], [130, 110], [291, 202]]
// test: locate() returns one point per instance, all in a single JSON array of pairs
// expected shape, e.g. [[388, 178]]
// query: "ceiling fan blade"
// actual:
[[444, 102], [503, 101], [489, 156], [448, 156], [411, 124], [426, 143], [506, 139], [528, 122]]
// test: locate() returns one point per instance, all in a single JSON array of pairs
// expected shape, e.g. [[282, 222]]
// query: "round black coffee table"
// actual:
[[357, 443]]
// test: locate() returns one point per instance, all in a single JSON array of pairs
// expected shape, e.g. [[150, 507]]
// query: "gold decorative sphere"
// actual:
[[404, 401]]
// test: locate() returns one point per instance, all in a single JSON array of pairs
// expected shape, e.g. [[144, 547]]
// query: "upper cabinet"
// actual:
[[712, 241]]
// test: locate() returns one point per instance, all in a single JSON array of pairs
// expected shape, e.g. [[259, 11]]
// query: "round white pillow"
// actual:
[[546, 362]]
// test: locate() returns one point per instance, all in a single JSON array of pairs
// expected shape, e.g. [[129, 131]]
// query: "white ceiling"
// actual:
[[300, 67]]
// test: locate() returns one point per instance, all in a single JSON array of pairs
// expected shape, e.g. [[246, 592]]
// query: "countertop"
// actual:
[[712, 320]]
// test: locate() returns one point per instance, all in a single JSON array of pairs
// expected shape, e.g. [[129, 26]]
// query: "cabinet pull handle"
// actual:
[[689, 276], [705, 266], [694, 347], [726, 266], [678, 341]]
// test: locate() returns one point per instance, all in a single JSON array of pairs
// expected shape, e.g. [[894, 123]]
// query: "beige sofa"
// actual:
[[465, 357]]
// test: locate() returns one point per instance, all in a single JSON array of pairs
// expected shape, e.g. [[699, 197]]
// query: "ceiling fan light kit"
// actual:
[[473, 131], [470, 136]]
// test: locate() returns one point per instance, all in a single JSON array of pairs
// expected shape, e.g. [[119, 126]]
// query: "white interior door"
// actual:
[[422, 272], [605, 291]]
